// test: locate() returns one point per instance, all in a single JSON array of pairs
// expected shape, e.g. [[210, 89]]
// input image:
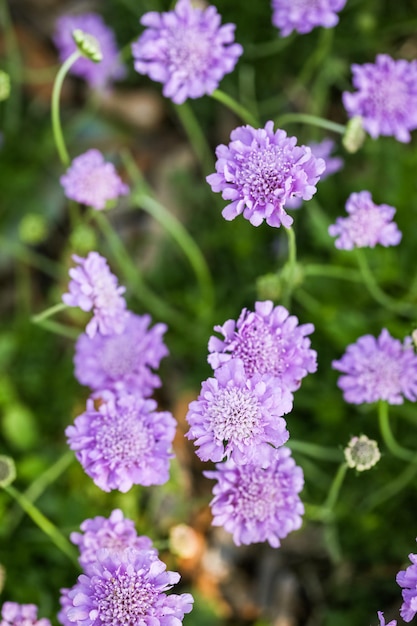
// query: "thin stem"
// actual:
[[322, 453], [241, 111], [56, 122], [312, 120], [391, 489], [44, 524], [59, 329], [267, 48], [332, 271], [395, 448], [290, 266], [40, 317], [29, 256], [335, 487], [196, 136]]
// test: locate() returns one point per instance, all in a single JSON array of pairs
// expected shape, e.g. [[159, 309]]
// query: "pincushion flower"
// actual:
[[238, 417], [386, 97], [13, 614], [124, 442], [367, 225], [187, 49], [256, 504], [124, 361], [98, 75], [92, 181], [94, 288], [380, 368], [269, 341], [260, 170], [304, 15], [407, 579], [125, 588], [113, 534]]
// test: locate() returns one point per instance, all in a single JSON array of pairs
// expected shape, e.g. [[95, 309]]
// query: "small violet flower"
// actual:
[[238, 417], [98, 75], [381, 618], [304, 15], [92, 181], [386, 97], [123, 588], [378, 369], [123, 442], [187, 49], [13, 614], [260, 170], [407, 579], [268, 341], [256, 504], [367, 225], [124, 361], [94, 288]]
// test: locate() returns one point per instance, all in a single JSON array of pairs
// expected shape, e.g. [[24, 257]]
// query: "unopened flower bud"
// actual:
[[7, 471], [87, 45], [4, 85], [354, 135], [362, 453]]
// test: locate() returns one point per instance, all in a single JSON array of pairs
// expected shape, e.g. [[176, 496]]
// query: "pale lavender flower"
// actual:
[[124, 361], [378, 369], [187, 49], [98, 75], [13, 614], [123, 442], [407, 579], [125, 588], [114, 534], [381, 618], [304, 15], [94, 288], [367, 225], [386, 97], [92, 181], [269, 341], [256, 504], [239, 417], [260, 170]]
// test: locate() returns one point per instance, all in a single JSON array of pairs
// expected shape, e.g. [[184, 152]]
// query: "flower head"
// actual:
[[256, 504], [98, 75], [125, 588], [260, 170], [386, 97], [13, 614], [268, 341], [378, 369], [239, 417], [124, 442], [381, 618], [92, 181], [407, 579], [94, 288], [113, 534], [362, 453], [304, 15], [187, 50], [367, 224], [122, 362]]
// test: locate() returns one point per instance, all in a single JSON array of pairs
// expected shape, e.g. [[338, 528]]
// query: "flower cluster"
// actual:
[[304, 15], [186, 49], [407, 579], [13, 614]]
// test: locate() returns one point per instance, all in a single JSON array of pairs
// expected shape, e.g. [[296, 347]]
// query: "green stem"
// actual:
[[196, 136], [40, 317], [267, 48], [332, 271], [391, 489], [395, 448], [44, 524], [245, 115], [29, 256], [322, 453], [312, 120], [56, 122], [59, 329], [291, 266], [335, 487]]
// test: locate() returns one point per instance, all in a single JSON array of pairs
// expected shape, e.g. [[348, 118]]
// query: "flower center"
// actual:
[[121, 438], [123, 599], [234, 414], [364, 225], [188, 51], [257, 497], [118, 357], [261, 351], [382, 376], [261, 174], [388, 97]]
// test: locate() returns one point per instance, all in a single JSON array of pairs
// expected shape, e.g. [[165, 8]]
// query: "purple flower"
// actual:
[[256, 504], [386, 97], [378, 369], [381, 618], [94, 287], [269, 341], [260, 170], [91, 181], [113, 534], [368, 224], [98, 75], [407, 579], [304, 15], [122, 362], [124, 442], [187, 50], [125, 588], [239, 417], [13, 614]]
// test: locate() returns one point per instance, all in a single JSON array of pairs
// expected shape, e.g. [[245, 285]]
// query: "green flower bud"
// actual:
[[87, 45], [362, 453], [33, 229], [354, 135], [7, 471], [4, 85]]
